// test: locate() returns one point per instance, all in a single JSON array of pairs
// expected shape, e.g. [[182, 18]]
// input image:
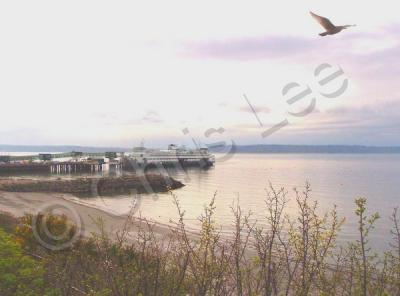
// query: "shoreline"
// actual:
[[20, 203]]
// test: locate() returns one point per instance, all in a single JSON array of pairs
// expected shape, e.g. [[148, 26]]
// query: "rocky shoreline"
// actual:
[[96, 186]]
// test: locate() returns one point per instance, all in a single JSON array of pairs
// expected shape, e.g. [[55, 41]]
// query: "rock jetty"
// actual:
[[95, 186]]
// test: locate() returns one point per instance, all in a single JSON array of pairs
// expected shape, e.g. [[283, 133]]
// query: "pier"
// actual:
[[68, 167], [76, 162], [48, 163], [75, 167], [24, 168], [52, 156]]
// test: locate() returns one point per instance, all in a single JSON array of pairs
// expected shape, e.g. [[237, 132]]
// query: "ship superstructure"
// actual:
[[173, 156]]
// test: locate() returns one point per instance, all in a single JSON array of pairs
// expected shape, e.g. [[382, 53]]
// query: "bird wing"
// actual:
[[324, 22]]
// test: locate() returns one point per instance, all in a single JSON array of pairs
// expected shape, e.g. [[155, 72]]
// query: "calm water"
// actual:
[[335, 180]]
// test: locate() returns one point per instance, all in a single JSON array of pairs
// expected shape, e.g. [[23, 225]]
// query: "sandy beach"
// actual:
[[20, 203]]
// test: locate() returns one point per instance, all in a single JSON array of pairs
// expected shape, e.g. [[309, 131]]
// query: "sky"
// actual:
[[104, 73]]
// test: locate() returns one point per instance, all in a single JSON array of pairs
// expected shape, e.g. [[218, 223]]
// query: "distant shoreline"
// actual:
[[259, 148], [309, 149]]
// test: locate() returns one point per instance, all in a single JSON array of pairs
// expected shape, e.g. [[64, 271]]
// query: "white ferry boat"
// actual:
[[173, 156]]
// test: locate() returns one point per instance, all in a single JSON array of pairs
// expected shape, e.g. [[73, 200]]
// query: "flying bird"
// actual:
[[330, 28]]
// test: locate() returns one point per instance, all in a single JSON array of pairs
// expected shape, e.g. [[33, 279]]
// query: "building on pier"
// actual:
[[5, 158], [45, 156]]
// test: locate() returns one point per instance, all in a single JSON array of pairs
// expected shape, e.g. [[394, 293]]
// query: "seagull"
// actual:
[[330, 28]]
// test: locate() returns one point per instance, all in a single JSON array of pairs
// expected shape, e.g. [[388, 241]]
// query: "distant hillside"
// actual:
[[239, 149], [25, 148], [310, 149]]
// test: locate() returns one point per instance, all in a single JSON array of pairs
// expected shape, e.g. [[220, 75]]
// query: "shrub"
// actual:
[[20, 275], [288, 255]]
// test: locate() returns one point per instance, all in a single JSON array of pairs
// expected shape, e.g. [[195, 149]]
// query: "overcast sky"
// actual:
[[116, 72]]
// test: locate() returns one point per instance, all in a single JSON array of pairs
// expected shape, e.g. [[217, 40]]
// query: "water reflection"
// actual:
[[335, 179]]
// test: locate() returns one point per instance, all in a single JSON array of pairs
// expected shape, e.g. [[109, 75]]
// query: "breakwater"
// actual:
[[88, 187]]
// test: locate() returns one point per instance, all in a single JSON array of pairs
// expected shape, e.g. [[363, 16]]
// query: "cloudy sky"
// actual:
[[114, 73]]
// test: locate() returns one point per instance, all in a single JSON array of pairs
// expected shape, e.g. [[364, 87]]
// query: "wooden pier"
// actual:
[[52, 156], [67, 167], [24, 168], [70, 167]]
